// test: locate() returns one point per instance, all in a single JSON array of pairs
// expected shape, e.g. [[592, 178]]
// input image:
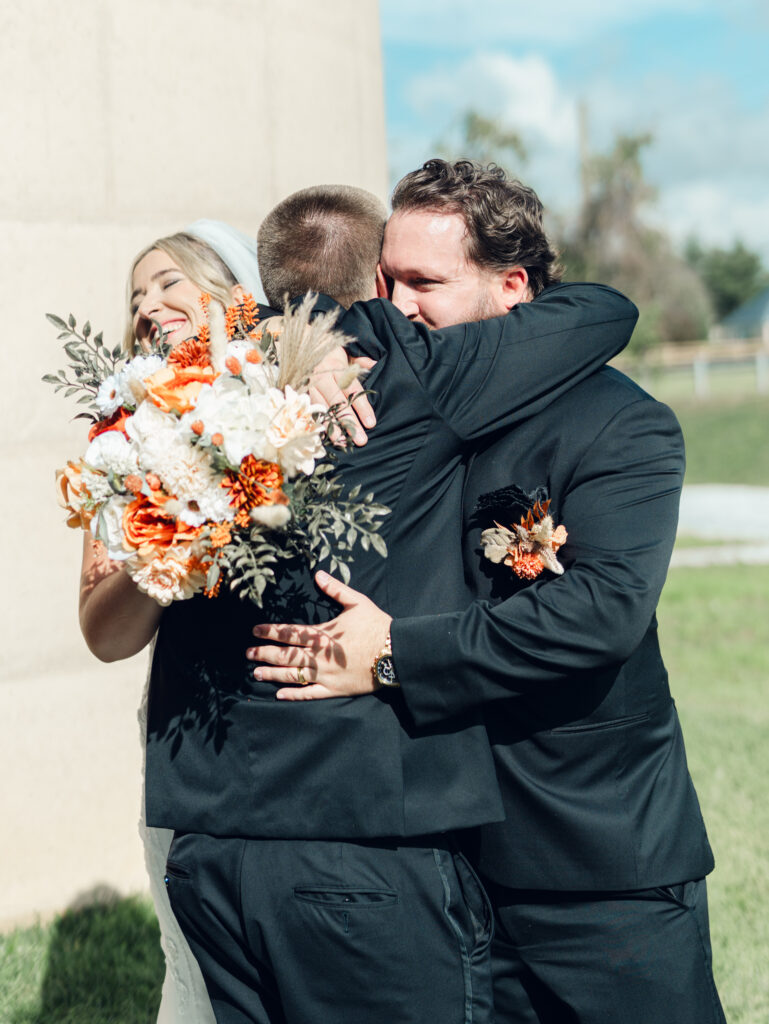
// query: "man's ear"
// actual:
[[382, 291], [514, 287]]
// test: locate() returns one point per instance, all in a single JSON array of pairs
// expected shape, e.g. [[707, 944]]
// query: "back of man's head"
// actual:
[[322, 239], [503, 217]]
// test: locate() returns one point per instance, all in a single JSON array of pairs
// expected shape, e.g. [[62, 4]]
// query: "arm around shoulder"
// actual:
[[621, 513], [117, 620]]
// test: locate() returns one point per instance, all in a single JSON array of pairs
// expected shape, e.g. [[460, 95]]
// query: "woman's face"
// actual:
[[162, 292]]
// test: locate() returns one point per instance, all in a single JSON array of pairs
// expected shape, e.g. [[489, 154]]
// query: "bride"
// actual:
[[166, 282]]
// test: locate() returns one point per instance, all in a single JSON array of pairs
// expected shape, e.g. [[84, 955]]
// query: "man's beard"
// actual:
[[484, 309]]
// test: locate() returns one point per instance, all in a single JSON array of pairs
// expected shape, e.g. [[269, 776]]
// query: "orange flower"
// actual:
[[133, 483], [233, 365], [253, 355], [71, 493], [192, 352], [231, 320], [146, 526], [197, 427], [248, 311], [527, 565], [176, 389], [220, 535], [256, 483], [116, 421]]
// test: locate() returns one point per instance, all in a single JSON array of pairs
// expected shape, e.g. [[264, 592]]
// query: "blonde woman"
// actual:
[[166, 282]]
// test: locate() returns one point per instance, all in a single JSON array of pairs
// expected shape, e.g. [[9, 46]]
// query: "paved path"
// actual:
[[737, 514]]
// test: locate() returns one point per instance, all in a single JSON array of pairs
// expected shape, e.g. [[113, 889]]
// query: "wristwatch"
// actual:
[[383, 669]]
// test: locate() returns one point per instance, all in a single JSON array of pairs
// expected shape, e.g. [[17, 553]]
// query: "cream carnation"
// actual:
[[173, 575], [111, 450]]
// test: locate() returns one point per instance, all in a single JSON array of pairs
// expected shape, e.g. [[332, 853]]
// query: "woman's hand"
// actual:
[[331, 660]]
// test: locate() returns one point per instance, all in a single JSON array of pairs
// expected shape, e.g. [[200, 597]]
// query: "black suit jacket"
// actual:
[[586, 737], [224, 757]]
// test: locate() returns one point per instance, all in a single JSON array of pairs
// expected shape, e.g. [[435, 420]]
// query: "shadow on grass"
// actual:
[[104, 964]]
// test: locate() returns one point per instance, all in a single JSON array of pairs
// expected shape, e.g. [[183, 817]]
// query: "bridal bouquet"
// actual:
[[208, 462]]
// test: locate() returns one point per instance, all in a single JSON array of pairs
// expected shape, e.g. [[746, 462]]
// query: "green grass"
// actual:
[[714, 626], [99, 965], [727, 442], [104, 966], [726, 434]]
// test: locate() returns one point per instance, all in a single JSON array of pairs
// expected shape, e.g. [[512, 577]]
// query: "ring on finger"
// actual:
[[301, 678]]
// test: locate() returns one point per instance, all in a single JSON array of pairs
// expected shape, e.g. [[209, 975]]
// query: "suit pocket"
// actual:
[[340, 897], [612, 723]]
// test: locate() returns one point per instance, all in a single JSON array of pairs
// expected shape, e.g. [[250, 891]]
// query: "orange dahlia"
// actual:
[[257, 482]]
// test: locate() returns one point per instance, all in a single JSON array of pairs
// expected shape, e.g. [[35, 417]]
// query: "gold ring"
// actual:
[[301, 678]]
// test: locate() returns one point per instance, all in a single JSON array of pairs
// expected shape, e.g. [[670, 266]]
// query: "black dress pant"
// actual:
[[312, 932], [640, 957]]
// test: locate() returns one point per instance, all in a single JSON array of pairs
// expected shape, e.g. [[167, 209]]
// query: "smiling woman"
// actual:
[[166, 282]]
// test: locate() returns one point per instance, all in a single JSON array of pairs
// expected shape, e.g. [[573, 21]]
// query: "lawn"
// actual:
[[727, 434], [714, 625], [103, 965], [100, 965]]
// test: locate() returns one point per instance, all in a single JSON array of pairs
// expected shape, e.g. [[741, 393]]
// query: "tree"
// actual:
[[611, 243], [477, 137], [731, 276]]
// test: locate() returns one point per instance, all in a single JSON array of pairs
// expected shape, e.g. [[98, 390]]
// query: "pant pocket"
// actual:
[[345, 898]]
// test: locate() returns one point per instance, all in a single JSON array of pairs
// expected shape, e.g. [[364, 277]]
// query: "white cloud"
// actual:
[[524, 92], [709, 159]]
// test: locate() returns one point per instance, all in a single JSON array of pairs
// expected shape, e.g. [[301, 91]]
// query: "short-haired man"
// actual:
[[597, 873], [329, 235], [314, 870]]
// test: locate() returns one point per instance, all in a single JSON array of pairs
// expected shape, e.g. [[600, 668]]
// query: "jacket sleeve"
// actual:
[[484, 376], [620, 512]]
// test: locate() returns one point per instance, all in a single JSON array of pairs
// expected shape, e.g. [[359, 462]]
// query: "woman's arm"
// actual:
[[117, 620]]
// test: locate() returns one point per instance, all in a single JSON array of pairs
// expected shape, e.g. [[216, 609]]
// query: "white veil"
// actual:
[[236, 248]]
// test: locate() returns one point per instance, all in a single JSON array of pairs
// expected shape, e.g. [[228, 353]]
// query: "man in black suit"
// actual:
[[313, 870], [597, 873]]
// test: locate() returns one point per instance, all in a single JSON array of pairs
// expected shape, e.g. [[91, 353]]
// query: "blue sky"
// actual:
[[691, 72]]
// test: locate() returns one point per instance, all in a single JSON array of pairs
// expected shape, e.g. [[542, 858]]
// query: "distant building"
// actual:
[[750, 320]]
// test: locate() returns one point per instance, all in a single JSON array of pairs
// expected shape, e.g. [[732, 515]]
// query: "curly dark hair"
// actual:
[[503, 216]]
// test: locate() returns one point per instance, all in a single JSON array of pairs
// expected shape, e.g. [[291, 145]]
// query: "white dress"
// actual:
[[184, 999]]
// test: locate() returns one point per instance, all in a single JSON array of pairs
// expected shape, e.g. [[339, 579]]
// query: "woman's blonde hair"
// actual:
[[197, 260]]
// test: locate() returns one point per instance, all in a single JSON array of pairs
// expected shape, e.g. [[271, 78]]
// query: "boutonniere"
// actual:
[[528, 546]]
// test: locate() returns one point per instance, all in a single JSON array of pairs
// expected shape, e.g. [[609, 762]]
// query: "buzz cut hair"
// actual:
[[325, 239]]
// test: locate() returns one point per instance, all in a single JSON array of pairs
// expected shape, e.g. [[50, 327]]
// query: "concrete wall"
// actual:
[[122, 121]]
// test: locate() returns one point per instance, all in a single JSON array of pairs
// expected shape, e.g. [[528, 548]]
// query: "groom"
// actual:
[[313, 869], [597, 873]]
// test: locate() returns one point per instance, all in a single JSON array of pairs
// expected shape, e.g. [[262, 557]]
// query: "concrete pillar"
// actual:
[[123, 121]]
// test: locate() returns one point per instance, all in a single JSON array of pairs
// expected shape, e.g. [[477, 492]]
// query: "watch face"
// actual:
[[385, 671]]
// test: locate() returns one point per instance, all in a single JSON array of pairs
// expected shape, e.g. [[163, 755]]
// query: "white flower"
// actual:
[[259, 377], [108, 397], [126, 387], [295, 432], [111, 450], [173, 575], [227, 407], [185, 470], [96, 484], [133, 375], [110, 527]]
